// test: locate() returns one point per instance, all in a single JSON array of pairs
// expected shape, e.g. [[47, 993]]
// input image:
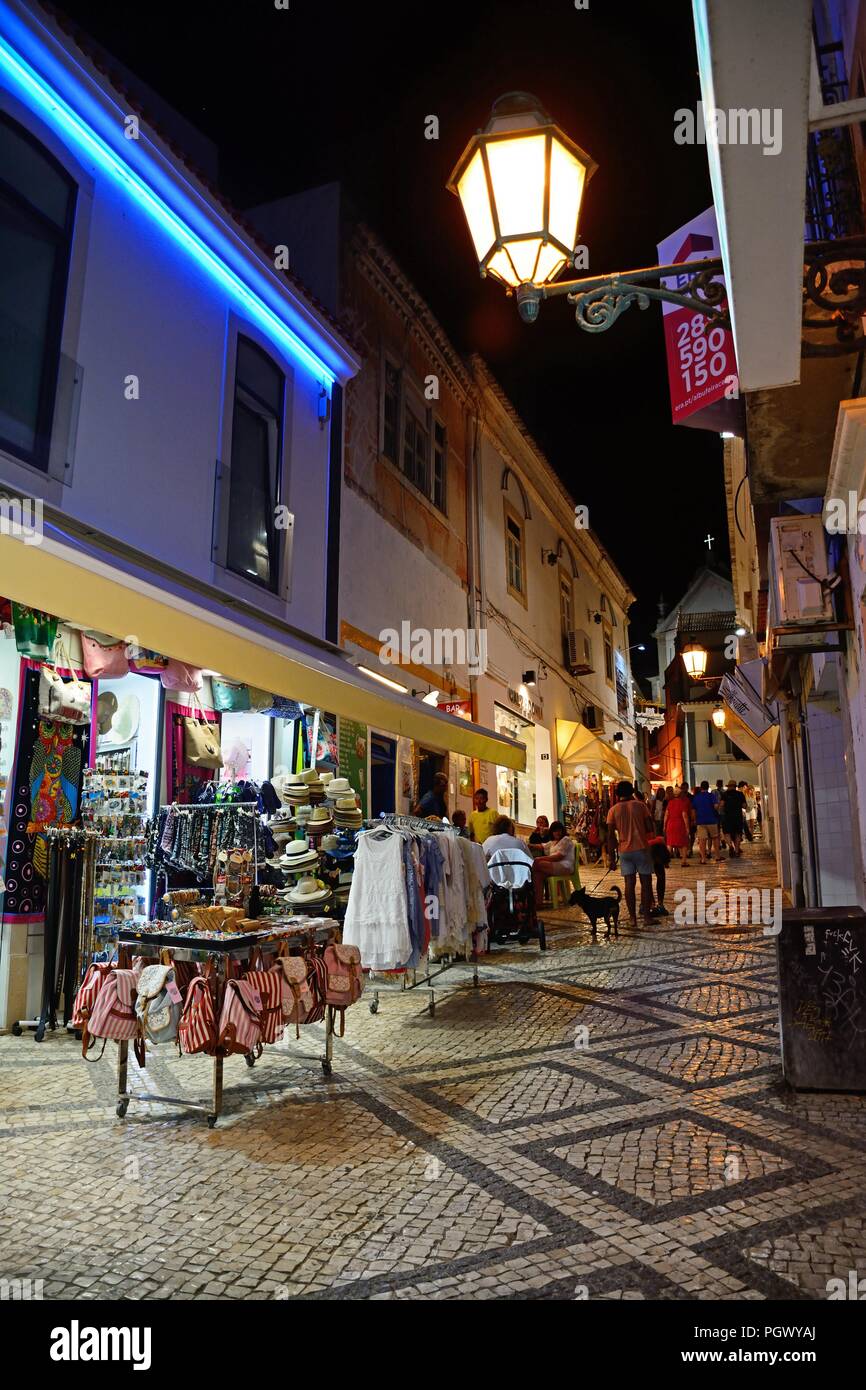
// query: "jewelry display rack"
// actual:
[[235, 948]]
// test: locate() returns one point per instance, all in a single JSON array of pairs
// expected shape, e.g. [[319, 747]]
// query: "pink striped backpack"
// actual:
[[113, 1014], [269, 983], [196, 1031], [240, 1026], [88, 992]]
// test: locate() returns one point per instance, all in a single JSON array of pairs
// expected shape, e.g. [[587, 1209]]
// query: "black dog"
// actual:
[[608, 908]]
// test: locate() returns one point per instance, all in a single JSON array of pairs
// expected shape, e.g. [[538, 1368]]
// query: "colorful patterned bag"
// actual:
[[297, 997], [344, 978], [158, 1003]]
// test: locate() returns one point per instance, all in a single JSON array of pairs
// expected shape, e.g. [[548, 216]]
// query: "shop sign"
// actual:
[[526, 705], [702, 366], [461, 709], [352, 752]]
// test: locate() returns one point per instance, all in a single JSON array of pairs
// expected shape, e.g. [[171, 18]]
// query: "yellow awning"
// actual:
[[84, 590], [578, 748]]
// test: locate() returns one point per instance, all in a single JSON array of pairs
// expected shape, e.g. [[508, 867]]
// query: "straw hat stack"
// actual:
[[347, 813], [295, 791], [321, 821], [299, 857], [282, 825]]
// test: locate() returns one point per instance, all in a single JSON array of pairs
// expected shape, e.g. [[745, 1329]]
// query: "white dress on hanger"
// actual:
[[377, 913]]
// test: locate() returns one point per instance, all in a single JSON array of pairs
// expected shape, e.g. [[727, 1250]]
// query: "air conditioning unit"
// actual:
[[593, 719], [579, 653], [799, 570]]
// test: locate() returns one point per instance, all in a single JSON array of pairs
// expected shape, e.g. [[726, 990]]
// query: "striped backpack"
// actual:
[[240, 1025], [88, 992], [196, 1031], [113, 1015]]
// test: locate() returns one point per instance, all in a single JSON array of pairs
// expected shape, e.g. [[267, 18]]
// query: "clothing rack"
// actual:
[[437, 827]]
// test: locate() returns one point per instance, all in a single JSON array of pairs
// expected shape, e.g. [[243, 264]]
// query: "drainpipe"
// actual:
[[812, 876], [795, 843]]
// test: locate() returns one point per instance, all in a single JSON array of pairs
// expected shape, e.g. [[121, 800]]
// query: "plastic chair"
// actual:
[[561, 889]]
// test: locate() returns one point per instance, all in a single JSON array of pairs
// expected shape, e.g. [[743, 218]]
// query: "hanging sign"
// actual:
[[702, 366]]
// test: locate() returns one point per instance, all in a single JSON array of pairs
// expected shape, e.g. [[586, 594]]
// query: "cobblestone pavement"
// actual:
[[478, 1153]]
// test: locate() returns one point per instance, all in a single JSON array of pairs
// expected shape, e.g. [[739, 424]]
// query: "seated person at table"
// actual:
[[541, 833], [556, 862]]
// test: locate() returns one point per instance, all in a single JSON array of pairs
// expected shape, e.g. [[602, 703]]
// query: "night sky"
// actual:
[[341, 91]]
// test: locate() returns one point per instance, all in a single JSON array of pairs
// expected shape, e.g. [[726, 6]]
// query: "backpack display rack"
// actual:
[[221, 957]]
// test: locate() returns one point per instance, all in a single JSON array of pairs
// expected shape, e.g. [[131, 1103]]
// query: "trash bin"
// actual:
[[821, 960]]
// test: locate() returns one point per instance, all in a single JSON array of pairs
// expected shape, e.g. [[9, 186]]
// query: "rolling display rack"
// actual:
[[220, 952], [387, 986]]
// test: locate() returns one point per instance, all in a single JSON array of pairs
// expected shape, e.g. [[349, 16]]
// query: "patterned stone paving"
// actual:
[[603, 1121]]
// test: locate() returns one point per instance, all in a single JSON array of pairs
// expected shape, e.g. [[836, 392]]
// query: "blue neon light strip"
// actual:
[[57, 108]]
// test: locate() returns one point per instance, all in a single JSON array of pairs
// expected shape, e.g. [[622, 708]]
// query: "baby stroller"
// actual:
[[511, 898]]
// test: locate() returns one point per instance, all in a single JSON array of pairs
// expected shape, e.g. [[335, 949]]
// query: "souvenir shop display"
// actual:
[[220, 998], [114, 805]]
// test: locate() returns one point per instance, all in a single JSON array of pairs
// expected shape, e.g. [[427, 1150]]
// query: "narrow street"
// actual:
[[478, 1153]]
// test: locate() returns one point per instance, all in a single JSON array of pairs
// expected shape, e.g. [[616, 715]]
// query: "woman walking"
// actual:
[[678, 823]]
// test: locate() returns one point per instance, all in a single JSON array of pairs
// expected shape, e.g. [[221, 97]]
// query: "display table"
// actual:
[[220, 950]]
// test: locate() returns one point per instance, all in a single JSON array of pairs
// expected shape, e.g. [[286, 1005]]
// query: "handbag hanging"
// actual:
[[35, 632], [100, 661], [66, 702], [178, 676], [230, 699], [201, 741]]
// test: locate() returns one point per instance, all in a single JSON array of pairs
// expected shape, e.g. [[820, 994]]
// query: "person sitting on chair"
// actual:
[[556, 862]]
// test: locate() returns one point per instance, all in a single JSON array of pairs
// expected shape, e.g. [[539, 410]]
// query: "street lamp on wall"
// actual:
[[695, 660], [720, 717], [521, 181]]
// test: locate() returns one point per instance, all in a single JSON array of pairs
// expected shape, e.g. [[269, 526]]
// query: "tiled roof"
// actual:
[[706, 622]]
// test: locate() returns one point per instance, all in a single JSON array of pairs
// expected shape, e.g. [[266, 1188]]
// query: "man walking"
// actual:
[[706, 823], [631, 824]]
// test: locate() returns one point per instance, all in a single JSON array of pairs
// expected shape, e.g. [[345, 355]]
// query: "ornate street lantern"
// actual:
[[695, 660], [520, 181], [720, 717]]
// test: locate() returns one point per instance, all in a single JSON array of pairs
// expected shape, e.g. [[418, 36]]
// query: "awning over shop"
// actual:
[[580, 750], [751, 724], [84, 590]]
